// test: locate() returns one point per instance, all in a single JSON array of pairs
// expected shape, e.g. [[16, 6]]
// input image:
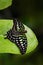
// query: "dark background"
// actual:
[[30, 12]]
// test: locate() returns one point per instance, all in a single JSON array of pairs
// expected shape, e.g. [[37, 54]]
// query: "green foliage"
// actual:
[[5, 3], [6, 46], [5, 25]]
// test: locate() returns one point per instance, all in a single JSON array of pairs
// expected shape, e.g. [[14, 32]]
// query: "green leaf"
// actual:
[[32, 40], [6, 46], [5, 25], [5, 4]]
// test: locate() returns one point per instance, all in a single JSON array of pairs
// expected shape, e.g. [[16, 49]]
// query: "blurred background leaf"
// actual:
[[5, 3]]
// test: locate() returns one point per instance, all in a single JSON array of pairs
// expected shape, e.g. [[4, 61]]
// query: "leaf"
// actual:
[[32, 40], [5, 25], [5, 4], [6, 46]]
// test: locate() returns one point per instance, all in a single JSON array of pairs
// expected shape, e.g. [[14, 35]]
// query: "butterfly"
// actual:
[[17, 35]]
